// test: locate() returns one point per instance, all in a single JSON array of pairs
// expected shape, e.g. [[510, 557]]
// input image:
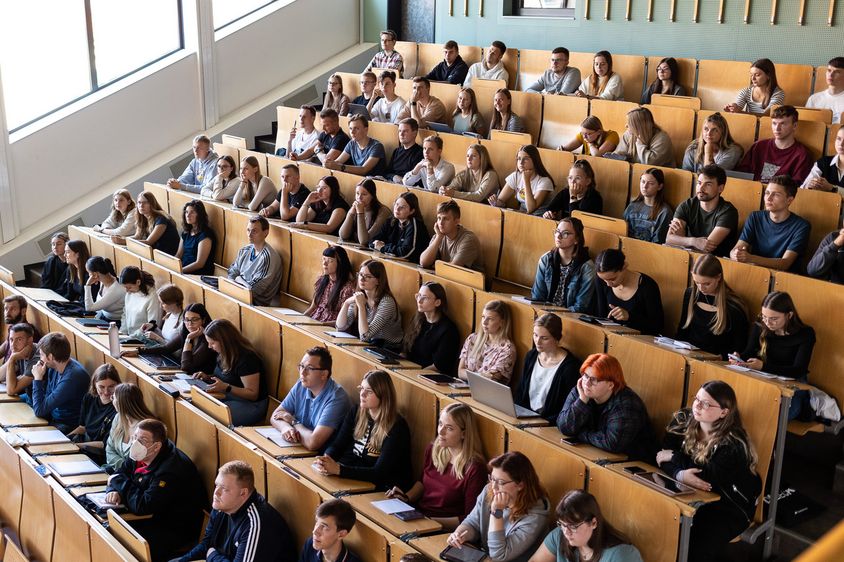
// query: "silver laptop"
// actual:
[[496, 395]]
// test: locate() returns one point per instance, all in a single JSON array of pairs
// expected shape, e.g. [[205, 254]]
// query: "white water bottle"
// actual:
[[113, 340]]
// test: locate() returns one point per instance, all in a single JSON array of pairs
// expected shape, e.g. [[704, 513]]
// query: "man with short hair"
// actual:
[[332, 140], [290, 198], [243, 526], [313, 411], [59, 383], [334, 521], [781, 155], [423, 106], [432, 172], [257, 265], [302, 140], [560, 78], [706, 222], [776, 236], [385, 105], [201, 171], [452, 69], [828, 261], [833, 97], [367, 87], [407, 154], [161, 481], [366, 155], [387, 57], [16, 372], [14, 312], [491, 68], [452, 242]]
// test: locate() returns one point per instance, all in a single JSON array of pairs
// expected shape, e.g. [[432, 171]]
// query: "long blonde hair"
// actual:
[[382, 385], [708, 265], [481, 337], [470, 448], [726, 138]]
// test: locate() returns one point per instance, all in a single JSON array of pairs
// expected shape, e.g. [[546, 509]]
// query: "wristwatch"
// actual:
[[497, 513], [228, 389]]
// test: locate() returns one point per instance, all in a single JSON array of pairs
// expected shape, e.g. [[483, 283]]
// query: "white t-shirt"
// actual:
[[384, 111], [516, 182], [825, 100], [540, 383], [303, 141]]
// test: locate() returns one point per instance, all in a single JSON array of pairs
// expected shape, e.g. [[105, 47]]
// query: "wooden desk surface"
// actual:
[[444, 389], [82, 490], [687, 503], [431, 546], [624, 330], [319, 331], [277, 451], [295, 319], [19, 414], [4, 397], [363, 504], [583, 450], [65, 481], [101, 340], [698, 354], [516, 422], [331, 484]]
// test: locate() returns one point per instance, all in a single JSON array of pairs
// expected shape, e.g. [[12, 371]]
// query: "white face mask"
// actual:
[[137, 452]]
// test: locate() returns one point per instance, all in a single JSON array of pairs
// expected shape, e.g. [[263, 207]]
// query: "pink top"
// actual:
[[322, 313], [445, 495], [494, 358]]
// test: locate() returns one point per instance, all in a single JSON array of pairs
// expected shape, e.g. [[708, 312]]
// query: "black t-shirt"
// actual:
[[338, 141], [293, 199], [247, 363], [437, 344], [592, 202], [96, 417], [323, 214]]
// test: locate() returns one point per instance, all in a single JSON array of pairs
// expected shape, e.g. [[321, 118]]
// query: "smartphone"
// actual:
[[634, 469], [165, 378], [568, 440]]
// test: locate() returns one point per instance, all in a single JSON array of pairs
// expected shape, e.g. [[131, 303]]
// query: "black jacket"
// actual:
[[406, 242], [52, 275], [454, 74], [565, 378]]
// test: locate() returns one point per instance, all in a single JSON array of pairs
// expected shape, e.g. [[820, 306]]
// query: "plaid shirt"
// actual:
[[392, 61]]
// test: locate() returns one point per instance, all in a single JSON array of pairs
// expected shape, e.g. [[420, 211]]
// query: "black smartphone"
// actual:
[[634, 469], [569, 440], [165, 378]]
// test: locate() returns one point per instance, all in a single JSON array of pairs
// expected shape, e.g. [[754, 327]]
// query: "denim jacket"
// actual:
[[580, 291]]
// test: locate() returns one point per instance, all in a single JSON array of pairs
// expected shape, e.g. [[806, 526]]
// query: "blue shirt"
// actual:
[[58, 396], [190, 249], [618, 553], [199, 173], [770, 239], [359, 157], [328, 409]]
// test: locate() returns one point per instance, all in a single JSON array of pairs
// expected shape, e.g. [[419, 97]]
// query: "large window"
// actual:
[[54, 52], [229, 11], [544, 8]]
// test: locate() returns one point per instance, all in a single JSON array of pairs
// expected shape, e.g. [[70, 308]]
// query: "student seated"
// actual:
[[111, 295], [403, 235], [713, 317], [324, 209], [592, 140], [763, 92], [14, 312], [644, 142], [550, 371], [168, 336], [76, 255], [667, 81], [335, 99], [833, 97], [373, 215], [290, 199], [510, 516], [582, 533], [97, 413], [828, 172], [454, 471], [122, 218], [58, 383], [503, 118], [706, 222], [452, 69], [334, 521], [407, 154], [781, 155], [239, 374], [387, 57], [452, 242], [466, 117], [491, 67], [604, 412], [776, 236], [226, 182], [372, 313], [580, 195], [140, 305], [603, 83], [197, 247], [154, 226], [130, 409], [385, 108], [257, 265], [707, 448], [490, 351], [422, 106], [159, 480], [332, 140], [367, 89], [365, 155], [648, 216], [313, 411], [243, 525], [432, 172], [531, 183], [53, 271], [565, 275], [628, 297], [373, 443], [333, 287], [256, 190], [828, 261], [560, 78], [303, 138], [432, 339], [196, 355], [780, 343], [715, 145], [16, 369], [200, 171], [477, 181]]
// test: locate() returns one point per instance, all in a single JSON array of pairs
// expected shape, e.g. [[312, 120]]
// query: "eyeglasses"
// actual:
[[563, 233], [590, 380], [498, 482], [308, 368], [770, 319], [421, 297], [568, 527], [704, 404], [192, 320], [662, 69], [364, 390], [366, 276], [558, 60]]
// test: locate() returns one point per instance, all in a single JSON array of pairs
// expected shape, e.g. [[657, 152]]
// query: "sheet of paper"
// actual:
[[75, 468], [677, 344], [39, 294], [181, 385], [288, 311], [274, 435], [392, 506], [46, 437], [342, 335], [520, 298], [2, 387], [98, 499]]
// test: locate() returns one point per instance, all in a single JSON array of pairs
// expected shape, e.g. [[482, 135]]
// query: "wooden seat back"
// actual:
[[13, 553], [288, 117], [502, 156], [532, 65], [558, 163], [459, 274], [260, 156], [518, 139], [233, 447], [561, 119], [198, 440], [72, 540], [485, 222], [742, 126], [511, 64], [600, 240], [820, 79], [581, 338], [235, 291], [172, 263], [231, 140], [811, 113], [582, 62], [160, 403], [823, 211], [559, 470], [796, 82], [678, 183], [612, 179], [431, 54], [160, 192], [678, 123], [101, 247], [124, 258], [687, 76], [407, 49], [161, 275], [745, 195], [290, 493], [226, 150], [446, 93], [216, 218], [811, 133], [139, 248], [264, 333], [484, 94], [306, 261], [404, 284], [526, 239], [719, 82], [88, 355], [455, 147], [206, 403], [387, 134], [686, 102], [294, 342], [529, 108], [601, 222], [613, 114], [190, 289], [631, 68], [38, 521], [129, 537], [750, 282], [12, 497], [106, 548]]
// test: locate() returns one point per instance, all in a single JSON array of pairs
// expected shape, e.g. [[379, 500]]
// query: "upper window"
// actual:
[[54, 53], [544, 8], [229, 11]]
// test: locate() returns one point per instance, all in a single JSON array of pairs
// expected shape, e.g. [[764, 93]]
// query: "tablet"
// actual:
[[665, 484], [439, 379], [467, 553]]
